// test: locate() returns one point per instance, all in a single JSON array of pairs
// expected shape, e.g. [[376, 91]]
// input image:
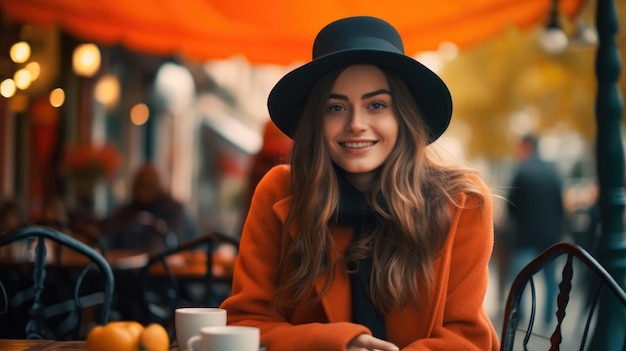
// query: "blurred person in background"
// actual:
[[583, 218], [151, 220], [54, 213], [583, 224], [275, 150], [536, 215], [11, 216]]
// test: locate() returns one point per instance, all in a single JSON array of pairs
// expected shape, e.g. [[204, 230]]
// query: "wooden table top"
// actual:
[[45, 345]]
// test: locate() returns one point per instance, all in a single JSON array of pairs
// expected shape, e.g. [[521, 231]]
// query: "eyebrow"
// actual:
[[364, 96]]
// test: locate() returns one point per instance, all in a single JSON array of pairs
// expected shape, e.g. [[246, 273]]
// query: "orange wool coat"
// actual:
[[452, 319]]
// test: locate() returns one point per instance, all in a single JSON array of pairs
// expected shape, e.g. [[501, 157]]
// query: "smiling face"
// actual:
[[359, 124]]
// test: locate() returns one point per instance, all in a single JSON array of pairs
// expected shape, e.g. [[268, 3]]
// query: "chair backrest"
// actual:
[[164, 290], [53, 300], [584, 282], [138, 231]]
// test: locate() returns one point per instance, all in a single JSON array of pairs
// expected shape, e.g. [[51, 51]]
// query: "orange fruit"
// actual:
[[118, 335], [154, 338]]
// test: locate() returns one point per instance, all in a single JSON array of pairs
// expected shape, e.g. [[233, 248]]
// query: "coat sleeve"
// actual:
[[255, 275], [464, 323]]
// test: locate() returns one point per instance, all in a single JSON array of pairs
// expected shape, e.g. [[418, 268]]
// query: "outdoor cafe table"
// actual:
[[46, 345], [184, 265], [186, 268]]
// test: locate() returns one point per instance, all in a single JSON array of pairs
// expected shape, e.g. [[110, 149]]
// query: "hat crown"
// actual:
[[357, 33], [360, 40]]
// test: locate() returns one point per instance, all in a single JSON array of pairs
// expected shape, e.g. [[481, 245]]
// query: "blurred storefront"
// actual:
[[184, 85], [168, 86]]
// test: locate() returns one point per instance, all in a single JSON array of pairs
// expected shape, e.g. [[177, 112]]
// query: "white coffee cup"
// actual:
[[226, 338], [189, 320]]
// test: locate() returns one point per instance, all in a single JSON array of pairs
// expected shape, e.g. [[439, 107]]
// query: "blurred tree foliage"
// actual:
[[493, 82]]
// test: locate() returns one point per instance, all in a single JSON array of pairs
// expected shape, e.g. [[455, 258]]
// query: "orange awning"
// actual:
[[273, 31]]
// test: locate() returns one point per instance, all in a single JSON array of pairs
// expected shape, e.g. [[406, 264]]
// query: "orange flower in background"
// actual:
[[91, 161]]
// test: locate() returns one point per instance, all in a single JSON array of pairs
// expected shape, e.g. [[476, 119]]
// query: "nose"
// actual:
[[356, 122]]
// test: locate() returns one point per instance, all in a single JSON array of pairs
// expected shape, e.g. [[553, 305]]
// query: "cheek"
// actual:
[[328, 135], [331, 128], [390, 129]]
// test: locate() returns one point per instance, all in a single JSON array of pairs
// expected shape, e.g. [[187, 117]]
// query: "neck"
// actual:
[[361, 181]]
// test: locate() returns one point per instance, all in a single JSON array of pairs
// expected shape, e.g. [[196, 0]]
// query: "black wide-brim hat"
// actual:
[[360, 40]]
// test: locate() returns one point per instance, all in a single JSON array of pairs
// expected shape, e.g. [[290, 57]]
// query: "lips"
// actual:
[[358, 145]]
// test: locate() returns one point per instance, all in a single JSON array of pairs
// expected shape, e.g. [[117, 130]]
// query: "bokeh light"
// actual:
[[7, 88], [20, 52], [107, 91], [139, 114], [34, 69], [57, 97], [22, 79], [86, 60]]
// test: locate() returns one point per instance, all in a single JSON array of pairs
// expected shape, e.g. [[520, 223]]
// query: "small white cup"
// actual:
[[189, 320], [226, 338]]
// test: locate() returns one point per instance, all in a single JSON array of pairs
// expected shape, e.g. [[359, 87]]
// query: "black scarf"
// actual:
[[353, 210]]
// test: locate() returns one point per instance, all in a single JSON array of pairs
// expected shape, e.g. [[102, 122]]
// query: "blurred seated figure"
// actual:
[[54, 214], [274, 151], [152, 219], [10, 216]]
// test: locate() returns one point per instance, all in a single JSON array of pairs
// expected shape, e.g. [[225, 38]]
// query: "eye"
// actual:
[[377, 106], [335, 108]]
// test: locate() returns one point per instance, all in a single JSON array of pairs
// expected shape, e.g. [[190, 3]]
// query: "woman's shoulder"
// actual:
[[477, 191], [276, 180], [276, 173], [465, 184], [475, 178], [461, 178]]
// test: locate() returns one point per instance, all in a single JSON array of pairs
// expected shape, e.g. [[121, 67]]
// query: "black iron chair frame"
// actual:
[[208, 242], [525, 277], [35, 329]]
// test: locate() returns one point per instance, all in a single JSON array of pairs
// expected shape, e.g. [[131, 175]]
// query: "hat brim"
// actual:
[[289, 95]]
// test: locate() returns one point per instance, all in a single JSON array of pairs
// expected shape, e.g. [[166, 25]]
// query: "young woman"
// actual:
[[365, 241]]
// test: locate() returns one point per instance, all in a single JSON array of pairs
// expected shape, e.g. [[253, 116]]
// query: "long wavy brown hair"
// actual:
[[417, 190]]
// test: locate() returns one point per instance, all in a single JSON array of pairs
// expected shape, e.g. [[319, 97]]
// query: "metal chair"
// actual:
[[583, 283], [142, 231], [163, 293], [47, 299]]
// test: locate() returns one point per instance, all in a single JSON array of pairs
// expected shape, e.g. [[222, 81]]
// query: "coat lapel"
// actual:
[[336, 301]]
